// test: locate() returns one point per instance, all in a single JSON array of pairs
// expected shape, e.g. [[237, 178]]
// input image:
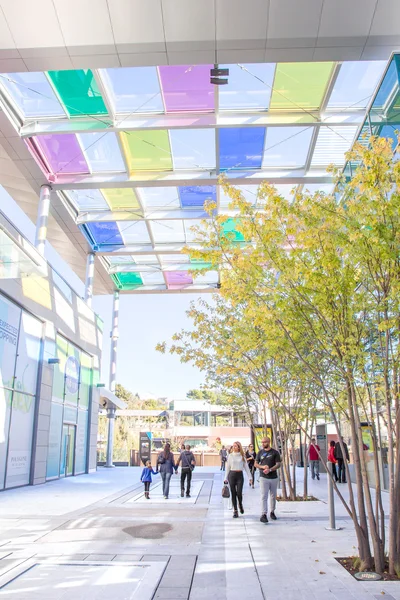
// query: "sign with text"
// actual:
[[145, 446]]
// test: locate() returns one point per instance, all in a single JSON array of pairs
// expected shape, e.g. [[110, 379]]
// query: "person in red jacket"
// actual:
[[331, 459], [313, 457]]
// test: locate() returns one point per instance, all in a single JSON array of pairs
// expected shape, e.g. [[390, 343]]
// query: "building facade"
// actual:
[[50, 344]]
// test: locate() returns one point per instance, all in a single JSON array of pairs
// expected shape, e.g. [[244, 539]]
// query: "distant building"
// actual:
[[195, 422]]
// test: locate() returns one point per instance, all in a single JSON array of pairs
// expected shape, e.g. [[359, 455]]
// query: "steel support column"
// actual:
[[110, 437], [42, 218], [114, 341], [89, 278]]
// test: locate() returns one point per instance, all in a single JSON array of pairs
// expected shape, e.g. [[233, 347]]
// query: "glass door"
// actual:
[[64, 451], [67, 450], [71, 450]]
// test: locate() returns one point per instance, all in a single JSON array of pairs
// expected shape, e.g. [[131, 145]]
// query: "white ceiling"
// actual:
[[65, 34]]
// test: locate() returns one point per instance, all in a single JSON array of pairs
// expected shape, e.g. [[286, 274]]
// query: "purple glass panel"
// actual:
[[63, 153], [187, 88], [178, 279]]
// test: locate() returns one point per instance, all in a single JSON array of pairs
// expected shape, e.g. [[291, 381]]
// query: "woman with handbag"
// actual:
[[236, 464], [165, 466]]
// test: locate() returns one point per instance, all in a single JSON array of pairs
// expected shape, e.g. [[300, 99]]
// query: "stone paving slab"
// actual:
[[219, 558]]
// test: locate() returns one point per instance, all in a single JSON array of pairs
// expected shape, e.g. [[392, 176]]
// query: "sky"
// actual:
[[144, 320]]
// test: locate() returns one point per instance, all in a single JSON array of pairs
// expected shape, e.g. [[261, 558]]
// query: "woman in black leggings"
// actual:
[[251, 457], [236, 464]]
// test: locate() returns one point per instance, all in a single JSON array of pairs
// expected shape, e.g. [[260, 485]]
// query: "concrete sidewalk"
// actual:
[[95, 537]]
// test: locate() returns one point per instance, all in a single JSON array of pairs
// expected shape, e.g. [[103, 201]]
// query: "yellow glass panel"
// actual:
[[121, 198], [300, 86]]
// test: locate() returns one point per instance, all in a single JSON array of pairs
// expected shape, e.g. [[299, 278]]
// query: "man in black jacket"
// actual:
[[341, 460], [188, 462]]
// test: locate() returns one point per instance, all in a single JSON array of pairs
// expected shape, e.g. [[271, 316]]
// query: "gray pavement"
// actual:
[[96, 537]]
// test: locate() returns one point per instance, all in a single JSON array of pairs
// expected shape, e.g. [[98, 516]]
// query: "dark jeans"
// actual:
[[165, 483], [341, 470], [223, 463], [147, 486], [186, 473], [252, 471], [235, 479], [334, 470]]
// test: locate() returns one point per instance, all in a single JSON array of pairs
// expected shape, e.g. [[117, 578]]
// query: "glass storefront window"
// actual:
[[72, 375], [86, 380], [59, 369], [28, 354], [5, 414], [20, 440]]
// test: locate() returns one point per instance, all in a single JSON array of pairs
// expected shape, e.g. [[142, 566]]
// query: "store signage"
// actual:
[[145, 446], [8, 332]]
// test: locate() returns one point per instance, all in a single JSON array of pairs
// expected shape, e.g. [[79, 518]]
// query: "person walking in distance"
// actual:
[[331, 459], [166, 465], [341, 460], [188, 463], [146, 478], [236, 464], [223, 453], [313, 456], [251, 457], [268, 461]]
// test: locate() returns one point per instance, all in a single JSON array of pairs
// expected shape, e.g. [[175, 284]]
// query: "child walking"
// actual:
[[146, 478]]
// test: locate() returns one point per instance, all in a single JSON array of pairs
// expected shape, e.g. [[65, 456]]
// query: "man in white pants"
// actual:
[[268, 462]]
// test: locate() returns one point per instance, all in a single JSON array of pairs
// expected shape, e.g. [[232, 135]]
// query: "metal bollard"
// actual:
[[331, 501]]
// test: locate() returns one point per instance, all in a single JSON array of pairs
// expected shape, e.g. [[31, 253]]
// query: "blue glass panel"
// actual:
[[197, 195], [102, 151], [355, 84], [244, 89], [33, 94], [386, 86], [241, 148], [193, 148], [105, 233], [287, 146], [134, 89]]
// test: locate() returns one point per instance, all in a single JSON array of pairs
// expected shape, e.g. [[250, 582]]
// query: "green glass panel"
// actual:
[[300, 86], [229, 230], [147, 150], [127, 281], [121, 198], [197, 264], [78, 92]]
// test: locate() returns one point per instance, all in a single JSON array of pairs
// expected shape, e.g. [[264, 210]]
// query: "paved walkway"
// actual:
[[95, 537]]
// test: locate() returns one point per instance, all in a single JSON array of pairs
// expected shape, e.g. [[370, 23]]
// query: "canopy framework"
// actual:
[[133, 154]]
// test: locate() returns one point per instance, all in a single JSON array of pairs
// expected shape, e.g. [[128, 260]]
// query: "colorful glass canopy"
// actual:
[[135, 153]]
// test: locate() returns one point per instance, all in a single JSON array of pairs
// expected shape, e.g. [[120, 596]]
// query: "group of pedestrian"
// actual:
[[335, 458], [267, 461], [166, 466]]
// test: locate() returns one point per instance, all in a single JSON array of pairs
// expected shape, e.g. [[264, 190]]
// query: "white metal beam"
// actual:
[[195, 178], [192, 121]]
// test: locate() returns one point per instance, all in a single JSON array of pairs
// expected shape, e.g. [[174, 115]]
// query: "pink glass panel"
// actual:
[[63, 153], [187, 88], [177, 279]]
